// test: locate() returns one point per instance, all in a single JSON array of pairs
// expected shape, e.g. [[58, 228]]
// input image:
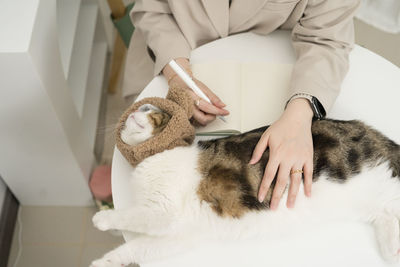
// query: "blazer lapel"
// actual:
[[218, 12], [242, 10]]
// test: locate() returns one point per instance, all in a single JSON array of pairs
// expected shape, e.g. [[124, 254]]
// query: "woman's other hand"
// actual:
[[203, 111], [291, 151]]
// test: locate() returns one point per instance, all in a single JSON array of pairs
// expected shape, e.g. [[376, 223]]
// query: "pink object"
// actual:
[[100, 183]]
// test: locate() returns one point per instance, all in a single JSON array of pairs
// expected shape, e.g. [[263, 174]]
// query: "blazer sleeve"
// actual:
[[162, 35], [322, 40]]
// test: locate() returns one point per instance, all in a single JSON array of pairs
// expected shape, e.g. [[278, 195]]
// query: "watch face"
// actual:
[[318, 109]]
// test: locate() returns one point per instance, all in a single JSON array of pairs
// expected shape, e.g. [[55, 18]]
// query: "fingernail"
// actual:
[[261, 198]]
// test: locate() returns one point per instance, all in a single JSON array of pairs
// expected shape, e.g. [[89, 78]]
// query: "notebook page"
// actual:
[[264, 92], [223, 78]]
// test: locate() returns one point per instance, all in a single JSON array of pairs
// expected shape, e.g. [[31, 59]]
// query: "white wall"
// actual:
[[46, 147]]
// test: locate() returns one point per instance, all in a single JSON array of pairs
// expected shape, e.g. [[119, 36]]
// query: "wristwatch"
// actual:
[[316, 106]]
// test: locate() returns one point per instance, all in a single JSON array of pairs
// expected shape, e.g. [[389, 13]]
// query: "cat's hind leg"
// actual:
[[387, 230], [141, 250], [152, 221]]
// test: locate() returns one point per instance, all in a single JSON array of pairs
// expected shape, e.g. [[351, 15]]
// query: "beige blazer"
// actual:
[[322, 36]]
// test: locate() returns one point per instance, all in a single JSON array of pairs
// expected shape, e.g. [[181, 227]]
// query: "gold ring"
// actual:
[[197, 103], [296, 171]]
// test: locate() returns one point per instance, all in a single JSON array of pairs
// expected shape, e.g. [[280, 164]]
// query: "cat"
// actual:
[[208, 189]]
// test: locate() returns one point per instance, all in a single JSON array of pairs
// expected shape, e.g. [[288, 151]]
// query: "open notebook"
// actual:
[[254, 93]]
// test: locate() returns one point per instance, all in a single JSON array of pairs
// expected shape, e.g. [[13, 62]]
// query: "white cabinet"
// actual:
[[52, 60]]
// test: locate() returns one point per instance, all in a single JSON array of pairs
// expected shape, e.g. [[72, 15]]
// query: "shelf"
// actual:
[[81, 52], [94, 91], [67, 21]]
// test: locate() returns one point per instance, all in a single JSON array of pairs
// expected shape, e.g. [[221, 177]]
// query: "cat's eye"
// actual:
[[144, 108]]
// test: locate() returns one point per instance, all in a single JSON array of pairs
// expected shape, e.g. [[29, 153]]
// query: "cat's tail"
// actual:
[[378, 146], [394, 158]]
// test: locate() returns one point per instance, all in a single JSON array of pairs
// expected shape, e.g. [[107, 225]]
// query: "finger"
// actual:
[[211, 109], [215, 100], [308, 173], [205, 106], [202, 118], [194, 96], [220, 104], [295, 181], [281, 182], [260, 148], [269, 175]]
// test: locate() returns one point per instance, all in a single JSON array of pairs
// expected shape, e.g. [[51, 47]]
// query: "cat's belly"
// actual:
[[171, 180]]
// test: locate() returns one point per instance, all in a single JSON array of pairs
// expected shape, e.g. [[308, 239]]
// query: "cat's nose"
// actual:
[[132, 115]]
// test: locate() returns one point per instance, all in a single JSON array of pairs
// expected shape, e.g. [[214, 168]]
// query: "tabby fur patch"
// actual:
[[341, 148]]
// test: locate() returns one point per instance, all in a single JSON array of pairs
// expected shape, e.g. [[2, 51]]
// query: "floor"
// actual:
[[64, 236], [60, 236]]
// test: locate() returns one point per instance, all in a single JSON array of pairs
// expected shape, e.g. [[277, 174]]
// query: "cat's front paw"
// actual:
[[105, 263], [102, 220]]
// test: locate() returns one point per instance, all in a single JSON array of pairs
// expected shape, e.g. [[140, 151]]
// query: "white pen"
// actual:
[[189, 82]]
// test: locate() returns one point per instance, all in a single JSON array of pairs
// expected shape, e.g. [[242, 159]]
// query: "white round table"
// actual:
[[370, 92]]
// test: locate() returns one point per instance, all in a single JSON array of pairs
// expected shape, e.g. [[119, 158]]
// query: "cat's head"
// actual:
[[144, 123]]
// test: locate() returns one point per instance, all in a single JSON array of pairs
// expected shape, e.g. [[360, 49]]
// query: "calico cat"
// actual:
[[209, 190]]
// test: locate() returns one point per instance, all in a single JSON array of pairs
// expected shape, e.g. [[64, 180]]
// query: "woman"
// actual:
[[322, 36]]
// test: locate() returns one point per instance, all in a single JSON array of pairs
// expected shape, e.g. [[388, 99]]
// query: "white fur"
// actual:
[[168, 209], [137, 126]]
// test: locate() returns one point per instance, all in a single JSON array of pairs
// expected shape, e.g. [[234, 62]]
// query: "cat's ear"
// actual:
[[159, 119]]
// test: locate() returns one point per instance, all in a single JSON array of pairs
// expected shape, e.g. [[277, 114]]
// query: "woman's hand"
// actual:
[[291, 149], [203, 111]]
